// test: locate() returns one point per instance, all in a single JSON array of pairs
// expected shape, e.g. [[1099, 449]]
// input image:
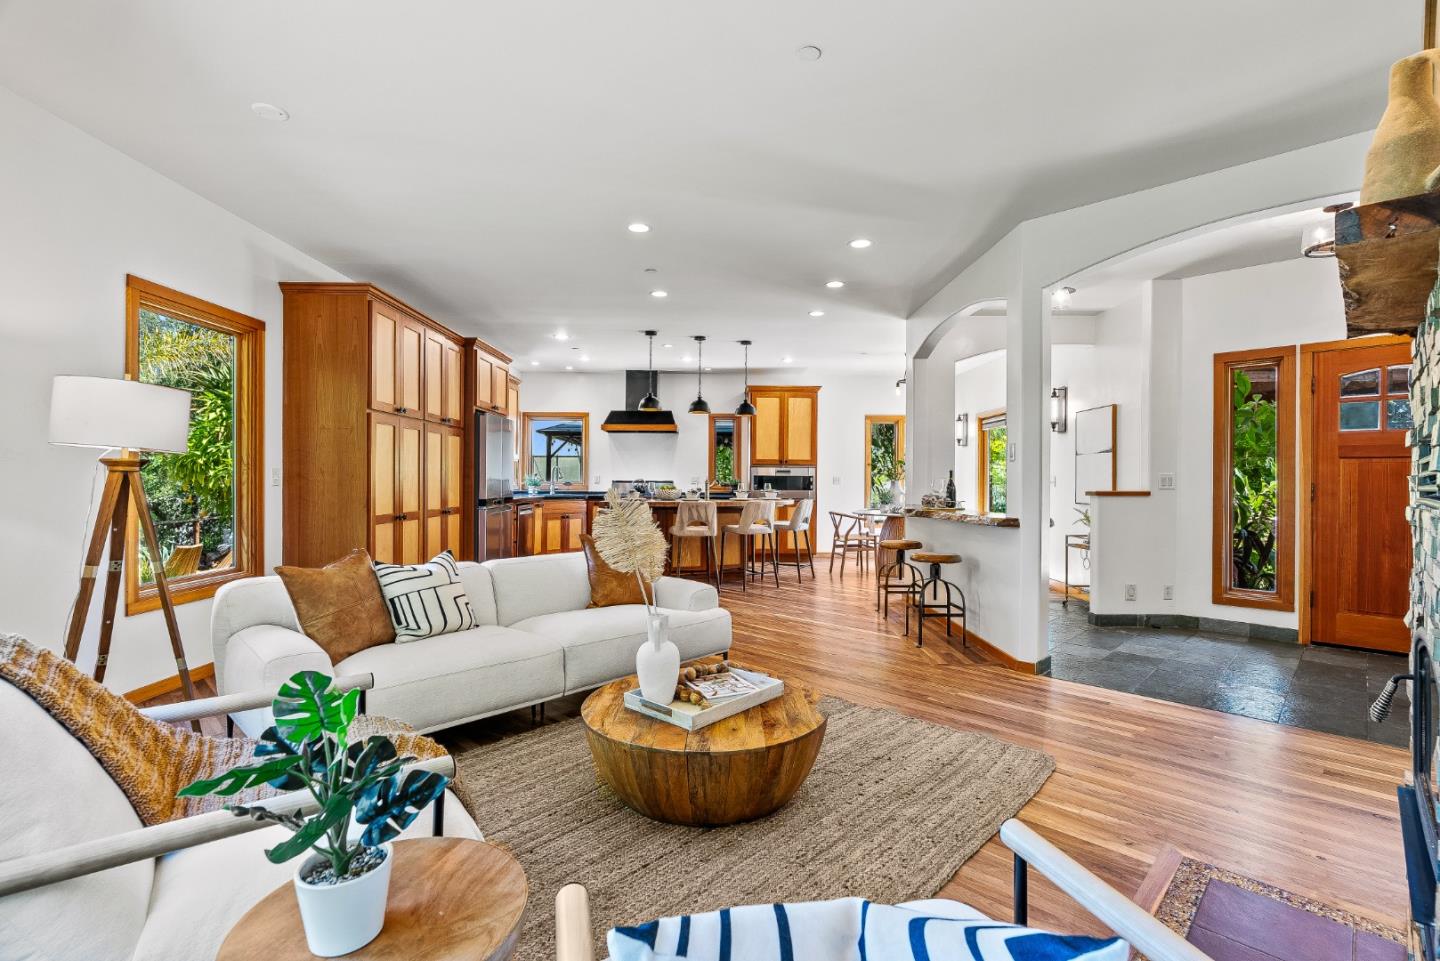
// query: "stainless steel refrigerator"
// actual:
[[494, 445]]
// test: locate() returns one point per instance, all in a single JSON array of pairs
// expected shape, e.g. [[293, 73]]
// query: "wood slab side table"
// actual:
[[451, 899]]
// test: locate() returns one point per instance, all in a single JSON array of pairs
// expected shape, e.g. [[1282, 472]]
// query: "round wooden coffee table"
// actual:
[[740, 768], [450, 899]]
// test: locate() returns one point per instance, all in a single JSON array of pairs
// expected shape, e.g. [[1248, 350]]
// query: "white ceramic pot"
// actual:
[[657, 663], [344, 917]]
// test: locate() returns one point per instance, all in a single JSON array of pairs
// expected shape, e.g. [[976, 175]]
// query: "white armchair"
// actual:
[[86, 880]]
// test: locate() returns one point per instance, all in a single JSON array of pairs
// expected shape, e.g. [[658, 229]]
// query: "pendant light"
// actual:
[[650, 401], [698, 405], [746, 409]]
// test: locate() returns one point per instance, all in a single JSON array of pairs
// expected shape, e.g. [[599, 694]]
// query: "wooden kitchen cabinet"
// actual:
[[500, 388], [512, 401], [375, 428], [785, 427], [529, 521], [488, 377], [443, 500], [562, 523]]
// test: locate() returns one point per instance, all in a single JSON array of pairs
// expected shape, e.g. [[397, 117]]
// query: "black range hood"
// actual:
[[630, 420]]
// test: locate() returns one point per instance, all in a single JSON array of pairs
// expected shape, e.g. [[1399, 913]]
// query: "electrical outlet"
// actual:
[[1167, 482], [835, 480], [1129, 592], [1169, 593], [274, 477]]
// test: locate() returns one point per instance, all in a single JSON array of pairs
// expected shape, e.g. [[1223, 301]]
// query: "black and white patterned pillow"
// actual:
[[425, 600]]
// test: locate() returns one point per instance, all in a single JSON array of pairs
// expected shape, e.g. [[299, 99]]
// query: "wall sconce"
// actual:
[[899, 386], [962, 430], [1059, 401]]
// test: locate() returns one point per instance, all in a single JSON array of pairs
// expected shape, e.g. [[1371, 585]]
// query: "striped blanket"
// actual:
[[852, 929]]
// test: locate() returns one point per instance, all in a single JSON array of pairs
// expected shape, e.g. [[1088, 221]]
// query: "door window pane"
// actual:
[[1398, 379], [1254, 468], [192, 495], [1397, 415], [1360, 415], [1362, 383], [885, 462], [723, 440], [996, 439]]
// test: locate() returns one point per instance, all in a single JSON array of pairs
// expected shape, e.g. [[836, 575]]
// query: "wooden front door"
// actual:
[[1360, 542]]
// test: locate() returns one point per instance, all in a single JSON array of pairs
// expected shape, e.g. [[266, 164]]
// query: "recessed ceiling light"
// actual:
[[268, 111], [584, 358], [659, 293], [560, 335], [639, 228], [835, 284], [788, 360], [809, 52], [817, 313], [860, 243], [667, 345], [708, 369], [686, 359], [534, 363], [568, 367]]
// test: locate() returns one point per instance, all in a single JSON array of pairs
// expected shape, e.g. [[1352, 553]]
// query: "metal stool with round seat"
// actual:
[[909, 575], [937, 608]]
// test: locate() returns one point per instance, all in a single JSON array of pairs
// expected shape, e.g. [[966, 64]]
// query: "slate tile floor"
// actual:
[[1322, 688]]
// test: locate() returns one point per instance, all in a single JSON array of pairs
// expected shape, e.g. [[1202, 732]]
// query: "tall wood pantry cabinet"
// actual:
[[785, 433], [377, 437]]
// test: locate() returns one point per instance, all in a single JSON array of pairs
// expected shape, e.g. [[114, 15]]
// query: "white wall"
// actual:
[[845, 399], [77, 217]]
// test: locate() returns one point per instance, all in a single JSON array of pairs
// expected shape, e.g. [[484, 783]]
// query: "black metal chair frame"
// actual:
[[947, 608], [885, 586]]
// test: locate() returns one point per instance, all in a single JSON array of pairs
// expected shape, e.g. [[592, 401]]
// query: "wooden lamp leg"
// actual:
[[114, 488], [115, 566], [147, 528]]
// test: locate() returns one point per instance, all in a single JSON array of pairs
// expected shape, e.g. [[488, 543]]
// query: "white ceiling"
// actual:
[[482, 159]]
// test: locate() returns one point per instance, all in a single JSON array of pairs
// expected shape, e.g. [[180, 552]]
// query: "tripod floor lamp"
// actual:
[[130, 417]]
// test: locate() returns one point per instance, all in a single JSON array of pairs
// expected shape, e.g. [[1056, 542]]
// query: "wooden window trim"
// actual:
[[710, 442], [249, 334], [870, 421], [982, 461], [528, 458], [1221, 592]]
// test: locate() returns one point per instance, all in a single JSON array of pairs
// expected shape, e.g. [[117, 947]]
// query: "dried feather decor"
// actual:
[[627, 538]]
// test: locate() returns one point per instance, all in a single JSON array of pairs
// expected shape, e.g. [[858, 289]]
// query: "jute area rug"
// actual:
[[891, 810]]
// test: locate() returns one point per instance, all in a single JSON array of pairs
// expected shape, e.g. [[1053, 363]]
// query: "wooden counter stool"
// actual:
[[696, 519], [756, 520], [899, 576], [936, 608]]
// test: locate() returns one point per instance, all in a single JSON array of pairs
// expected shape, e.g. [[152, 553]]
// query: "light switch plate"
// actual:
[[274, 477], [1167, 482], [1129, 592]]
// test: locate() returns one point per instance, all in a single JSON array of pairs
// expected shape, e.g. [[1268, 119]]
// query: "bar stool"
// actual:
[[756, 520], [798, 524], [696, 519], [909, 575], [937, 608]]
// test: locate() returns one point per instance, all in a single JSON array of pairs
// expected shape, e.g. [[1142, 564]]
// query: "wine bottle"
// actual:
[[950, 490]]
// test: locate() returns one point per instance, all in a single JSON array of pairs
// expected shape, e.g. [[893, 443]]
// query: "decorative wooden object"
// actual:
[[1405, 153], [738, 769], [122, 493], [451, 899], [1387, 253]]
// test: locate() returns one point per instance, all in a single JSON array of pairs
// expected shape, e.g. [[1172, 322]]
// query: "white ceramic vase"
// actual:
[[344, 917], [657, 663]]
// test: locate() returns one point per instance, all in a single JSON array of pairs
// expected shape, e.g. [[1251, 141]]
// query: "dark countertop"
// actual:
[[957, 516]]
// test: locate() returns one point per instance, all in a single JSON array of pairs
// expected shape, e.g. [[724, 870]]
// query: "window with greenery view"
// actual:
[[885, 461], [722, 451], [555, 448], [1254, 478], [994, 438], [1254, 460], [205, 501]]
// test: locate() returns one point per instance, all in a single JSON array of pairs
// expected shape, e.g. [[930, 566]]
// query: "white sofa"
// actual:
[[537, 640]]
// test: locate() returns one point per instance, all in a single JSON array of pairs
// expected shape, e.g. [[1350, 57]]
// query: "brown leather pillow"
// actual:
[[339, 605], [608, 586]]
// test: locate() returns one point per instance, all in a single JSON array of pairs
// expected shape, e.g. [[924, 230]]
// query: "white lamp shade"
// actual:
[[103, 412]]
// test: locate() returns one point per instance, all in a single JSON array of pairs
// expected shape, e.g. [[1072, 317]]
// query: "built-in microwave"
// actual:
[[796, 481]]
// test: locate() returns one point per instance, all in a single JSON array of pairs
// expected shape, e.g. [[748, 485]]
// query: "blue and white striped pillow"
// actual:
[[851, 929], [425, 600]]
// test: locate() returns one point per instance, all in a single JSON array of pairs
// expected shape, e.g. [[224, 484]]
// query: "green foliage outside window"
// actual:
[[725, 461], [996, 439], [192, 495], [886, 464], [1255, 486]]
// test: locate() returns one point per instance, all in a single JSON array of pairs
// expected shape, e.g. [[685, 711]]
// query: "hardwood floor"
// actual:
[[1310, 812]]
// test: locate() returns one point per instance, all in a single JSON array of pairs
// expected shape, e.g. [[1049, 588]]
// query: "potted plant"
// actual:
[[343, 885], [628, 540]]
